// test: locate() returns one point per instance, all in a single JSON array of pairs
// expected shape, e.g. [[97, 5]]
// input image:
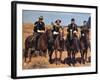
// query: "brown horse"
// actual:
[[29, 47], [50, 43], [42, 45], [84, 46], [59, 45], [72, 48]]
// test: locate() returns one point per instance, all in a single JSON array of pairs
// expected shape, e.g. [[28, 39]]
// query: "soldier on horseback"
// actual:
[[72, 29], [72, 41], [84, 42], [85, 32], [84, 29], [39, 28], [56, 28]]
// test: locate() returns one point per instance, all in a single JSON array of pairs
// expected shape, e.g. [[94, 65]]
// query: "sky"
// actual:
[[30, 16]]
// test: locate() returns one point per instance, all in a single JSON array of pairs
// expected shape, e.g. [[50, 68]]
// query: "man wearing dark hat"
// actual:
[[56, 28], [84, 29], [72, 35], [72, 28], [39, 27], [85, 33]]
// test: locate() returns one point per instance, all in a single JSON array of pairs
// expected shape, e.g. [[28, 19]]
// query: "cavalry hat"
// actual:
[[84, 21], [41, 17], [58, 20], [72, 19]]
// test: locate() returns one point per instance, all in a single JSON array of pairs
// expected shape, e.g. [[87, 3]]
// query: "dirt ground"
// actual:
[[43, 62]]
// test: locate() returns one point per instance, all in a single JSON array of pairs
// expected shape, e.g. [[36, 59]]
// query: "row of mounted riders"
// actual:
[[44, 42]]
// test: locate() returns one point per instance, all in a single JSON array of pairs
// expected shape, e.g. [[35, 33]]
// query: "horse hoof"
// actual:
[[83, 62], [73, 64], [69, 64]]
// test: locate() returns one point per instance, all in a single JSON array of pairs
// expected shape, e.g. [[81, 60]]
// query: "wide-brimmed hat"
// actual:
[[84, 21], [41, 17], [72, 19], [58, 20]]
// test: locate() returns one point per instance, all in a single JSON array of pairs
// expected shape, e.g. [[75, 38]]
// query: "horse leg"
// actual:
[[82, 56], [45, 53], [37, 53], [29, 55], [86, 56], [89, 46], [73, 58], [50, 55], [69, 58], [60, 56], [69, 54], [59, 59], [40, 53], [25, 54], [56, 56]]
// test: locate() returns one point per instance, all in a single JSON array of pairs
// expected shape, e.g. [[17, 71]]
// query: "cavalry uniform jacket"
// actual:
[[71, 35], [39, 26], [56, 28], [71, 29]]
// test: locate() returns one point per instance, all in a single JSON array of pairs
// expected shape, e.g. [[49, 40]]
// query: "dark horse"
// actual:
[[84, 46], [30, 45], [59, 45], [72, 47], [42, 45], [50, 43]]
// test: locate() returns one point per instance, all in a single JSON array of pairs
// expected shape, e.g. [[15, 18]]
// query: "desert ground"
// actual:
[[42, 62]]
